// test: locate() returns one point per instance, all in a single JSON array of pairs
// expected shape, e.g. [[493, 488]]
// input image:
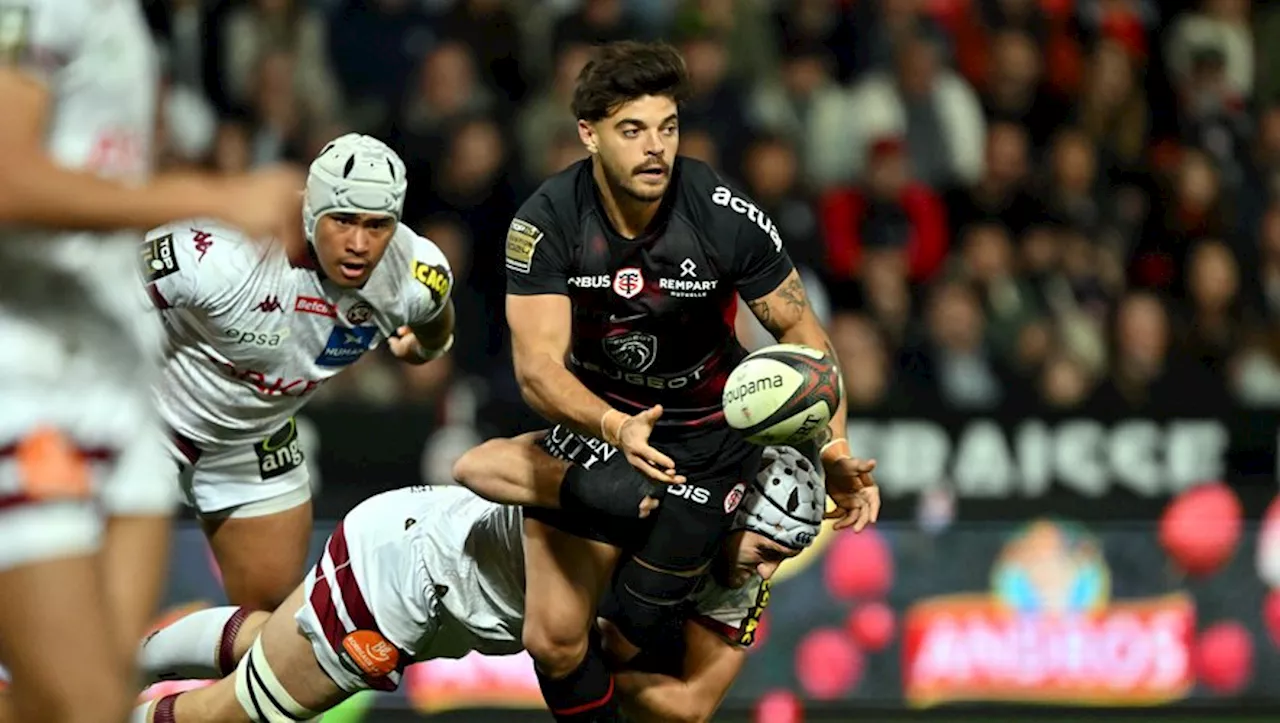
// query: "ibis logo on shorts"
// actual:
[[634, 351], [742, 391], [628, 282], [693, 493], [279, 453]]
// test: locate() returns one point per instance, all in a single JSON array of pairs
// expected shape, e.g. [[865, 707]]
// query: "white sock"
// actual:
[[139, 714], [196, 647]]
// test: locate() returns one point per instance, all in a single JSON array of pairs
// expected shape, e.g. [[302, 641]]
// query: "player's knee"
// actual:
[[557, 650], [260, 590], [648, 600]]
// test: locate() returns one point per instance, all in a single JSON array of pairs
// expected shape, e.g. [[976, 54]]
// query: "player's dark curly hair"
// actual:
[[623, 71]]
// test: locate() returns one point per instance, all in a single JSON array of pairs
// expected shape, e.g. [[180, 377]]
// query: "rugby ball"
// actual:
[[782, 394]]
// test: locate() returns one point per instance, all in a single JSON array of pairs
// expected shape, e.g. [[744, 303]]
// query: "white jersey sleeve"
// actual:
[[195, 265], [431, 270], [733, 614], [40, 37]]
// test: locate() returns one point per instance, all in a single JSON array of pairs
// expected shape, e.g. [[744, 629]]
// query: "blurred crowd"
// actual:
[[1017, 205]]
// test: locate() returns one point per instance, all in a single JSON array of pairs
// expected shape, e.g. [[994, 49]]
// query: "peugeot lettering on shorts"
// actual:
[[279, 453], [346, 345]]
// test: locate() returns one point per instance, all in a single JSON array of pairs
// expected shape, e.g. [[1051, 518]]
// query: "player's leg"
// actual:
[[261, 551], [139, 498], [277, 677], [255, 507], [565, 576], [47, 609], [204, 645], [686, 533]]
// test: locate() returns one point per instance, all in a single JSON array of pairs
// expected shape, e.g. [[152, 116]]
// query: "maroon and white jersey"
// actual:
[[438, 572], [253, 333]]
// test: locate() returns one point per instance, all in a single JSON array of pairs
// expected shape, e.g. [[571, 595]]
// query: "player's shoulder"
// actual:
[[200, 246], [557, 202], [420, 259], [718, 205]]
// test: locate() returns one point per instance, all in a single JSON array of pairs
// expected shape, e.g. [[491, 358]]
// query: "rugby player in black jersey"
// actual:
[[623, 274]]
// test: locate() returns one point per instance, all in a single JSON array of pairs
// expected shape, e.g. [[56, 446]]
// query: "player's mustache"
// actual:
[[656, 165]]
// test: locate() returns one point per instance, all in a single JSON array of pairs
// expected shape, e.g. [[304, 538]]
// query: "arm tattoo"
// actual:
[[793, 294], [762, 311]]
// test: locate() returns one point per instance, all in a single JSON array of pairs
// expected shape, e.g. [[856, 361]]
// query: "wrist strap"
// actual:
[[822, 453], [604, 432], [433, 354]]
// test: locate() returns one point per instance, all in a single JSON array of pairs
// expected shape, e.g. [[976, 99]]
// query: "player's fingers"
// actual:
[[648, 505], [652, 414], [648, 470], [657, 458], [404, 331], [875, 507]]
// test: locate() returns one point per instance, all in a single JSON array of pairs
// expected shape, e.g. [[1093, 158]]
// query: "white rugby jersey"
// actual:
[[473, 553], [98, 62], [252, 333]]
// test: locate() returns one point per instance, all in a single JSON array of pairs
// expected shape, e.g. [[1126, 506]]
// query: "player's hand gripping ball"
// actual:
[[782, 394]]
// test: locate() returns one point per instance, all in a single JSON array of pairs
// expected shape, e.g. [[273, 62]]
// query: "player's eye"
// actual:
[[671, 130], [631, 133]]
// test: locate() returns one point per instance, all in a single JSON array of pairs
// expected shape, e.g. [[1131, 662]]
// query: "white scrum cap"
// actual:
[[787, 499], [354, 174]]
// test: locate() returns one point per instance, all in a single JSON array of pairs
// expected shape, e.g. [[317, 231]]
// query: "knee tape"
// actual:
[[260, 693], [648, 601]]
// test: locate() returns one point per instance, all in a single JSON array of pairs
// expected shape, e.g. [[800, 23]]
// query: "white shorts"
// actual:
[[71, 451], [369, 595], [251, 480]]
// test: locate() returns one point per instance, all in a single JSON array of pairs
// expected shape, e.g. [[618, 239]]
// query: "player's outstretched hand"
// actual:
[[633, 440], [267, 204], [852, 487]]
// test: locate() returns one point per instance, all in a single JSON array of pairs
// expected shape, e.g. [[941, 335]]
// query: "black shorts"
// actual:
[[717, 462]]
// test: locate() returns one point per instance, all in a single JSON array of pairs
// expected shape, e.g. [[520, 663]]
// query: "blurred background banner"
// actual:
[[1090, 464]]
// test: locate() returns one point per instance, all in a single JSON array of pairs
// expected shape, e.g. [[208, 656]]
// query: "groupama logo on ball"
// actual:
[[782, 394]]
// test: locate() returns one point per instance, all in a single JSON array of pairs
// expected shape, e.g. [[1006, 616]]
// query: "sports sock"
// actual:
[[196, 647], [584, 696]]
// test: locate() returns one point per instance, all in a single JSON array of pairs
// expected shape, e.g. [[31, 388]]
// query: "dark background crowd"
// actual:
[[997, 205]]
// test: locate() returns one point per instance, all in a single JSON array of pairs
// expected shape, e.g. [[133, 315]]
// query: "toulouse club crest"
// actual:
[[633, 351]]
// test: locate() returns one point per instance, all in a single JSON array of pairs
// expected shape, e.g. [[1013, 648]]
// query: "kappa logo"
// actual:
[[634, 351], [345, 345], [203, 241], [312, 305], [269, 304], [628, 282]]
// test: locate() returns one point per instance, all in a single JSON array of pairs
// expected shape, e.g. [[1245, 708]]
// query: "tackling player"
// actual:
[[253, 332], [79, 81], [436, 572], [623, 275]]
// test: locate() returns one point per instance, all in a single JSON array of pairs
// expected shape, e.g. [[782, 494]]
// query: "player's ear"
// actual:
[[587, 135]]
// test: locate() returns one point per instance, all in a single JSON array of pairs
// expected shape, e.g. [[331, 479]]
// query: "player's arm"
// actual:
[[194, 266], [429, 333], [788, 315], [34, 191], [540, 317], [711, 664]]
